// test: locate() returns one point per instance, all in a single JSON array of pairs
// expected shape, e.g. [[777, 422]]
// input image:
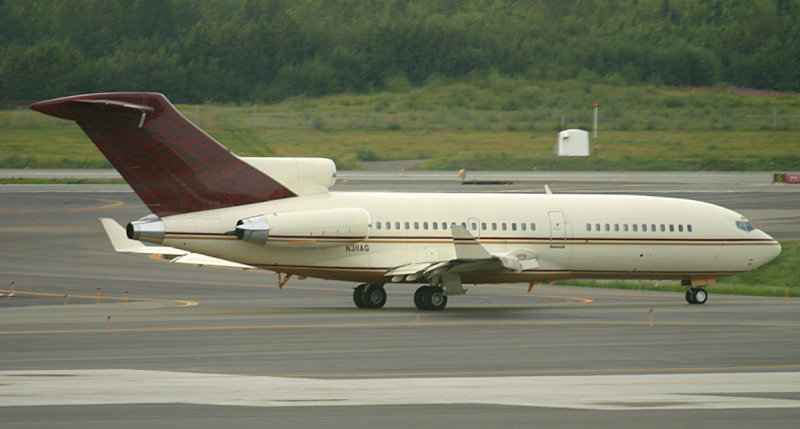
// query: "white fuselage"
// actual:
[[586, 236]]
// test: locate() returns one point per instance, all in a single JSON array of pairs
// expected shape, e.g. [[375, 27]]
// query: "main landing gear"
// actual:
[[371, 295], [430, 298], [696, 295]]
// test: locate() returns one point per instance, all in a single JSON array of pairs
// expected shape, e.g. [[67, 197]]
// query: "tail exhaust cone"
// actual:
[[253, 230], [150, 229]]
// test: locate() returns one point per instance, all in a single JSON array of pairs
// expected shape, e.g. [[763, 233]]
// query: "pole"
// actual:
[[596, 108]]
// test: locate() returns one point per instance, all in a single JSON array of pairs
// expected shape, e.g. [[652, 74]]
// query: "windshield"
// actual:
[[744, 225]]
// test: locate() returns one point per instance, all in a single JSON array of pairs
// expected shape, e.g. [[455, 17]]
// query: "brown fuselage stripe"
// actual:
[[542, 241]]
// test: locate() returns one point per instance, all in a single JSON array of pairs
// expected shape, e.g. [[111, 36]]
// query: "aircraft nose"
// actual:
[[769, 251]]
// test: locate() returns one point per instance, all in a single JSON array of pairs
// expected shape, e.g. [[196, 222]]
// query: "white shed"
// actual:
[[573, 143]]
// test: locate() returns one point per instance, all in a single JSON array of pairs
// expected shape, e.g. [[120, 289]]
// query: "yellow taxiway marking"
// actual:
[[411, 324], [183, 303], [571, 298], [109, 204], [146, 280]]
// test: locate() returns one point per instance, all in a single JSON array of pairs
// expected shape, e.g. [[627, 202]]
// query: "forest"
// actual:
[[270, 50]]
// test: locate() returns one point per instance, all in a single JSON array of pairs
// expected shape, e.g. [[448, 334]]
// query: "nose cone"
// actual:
[[769, 251]]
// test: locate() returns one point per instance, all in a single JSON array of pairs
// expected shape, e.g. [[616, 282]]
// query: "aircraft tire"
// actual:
[[358, 295], [690, 296], [374, 296], [699, 295], [418, 297], [434, 299]]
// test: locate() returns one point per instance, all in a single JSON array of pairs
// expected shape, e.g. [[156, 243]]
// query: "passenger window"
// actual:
[[688, 228], [425, 225], [635, 228], [494, 226], [514, 226], [653, 227], [407, 225], [504, 226], [378, 224], [436, 225], [597, 227], [680, 228], [533, 226], [397, 225], [474, 226], [483, 226], [522, 225], [671, 228], [663, 228], [644, 227], [608, 227], [625, 227], [416, 225], [588, 227], [616, 227], [444, 226]]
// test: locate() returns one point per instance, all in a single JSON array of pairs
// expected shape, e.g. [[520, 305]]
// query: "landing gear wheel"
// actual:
[[358, 296], [374, 296], [700, 296], [433, 298], [418, 297], [696, 295]]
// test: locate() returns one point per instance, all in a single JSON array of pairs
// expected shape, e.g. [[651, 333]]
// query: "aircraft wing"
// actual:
[[121, 243], [471, 257]]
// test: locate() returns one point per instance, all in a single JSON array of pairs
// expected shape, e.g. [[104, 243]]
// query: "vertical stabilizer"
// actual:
[[174, 166]]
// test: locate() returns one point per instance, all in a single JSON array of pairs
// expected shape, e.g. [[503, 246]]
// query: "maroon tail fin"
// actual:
[[172, 164]]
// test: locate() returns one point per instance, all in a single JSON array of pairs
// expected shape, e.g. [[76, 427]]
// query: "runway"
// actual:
[[203, 347]]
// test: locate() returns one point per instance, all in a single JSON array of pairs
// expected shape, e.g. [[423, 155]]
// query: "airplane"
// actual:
[[212, 207]]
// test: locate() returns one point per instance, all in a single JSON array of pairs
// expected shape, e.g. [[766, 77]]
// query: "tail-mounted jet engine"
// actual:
[[311, 228], [149, 228]]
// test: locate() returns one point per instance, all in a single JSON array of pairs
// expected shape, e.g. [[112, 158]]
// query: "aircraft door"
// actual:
[[474, 226], [558, 229]]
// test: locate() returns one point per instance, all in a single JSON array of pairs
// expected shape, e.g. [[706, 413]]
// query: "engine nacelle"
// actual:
[[309, 228], [149, 228]]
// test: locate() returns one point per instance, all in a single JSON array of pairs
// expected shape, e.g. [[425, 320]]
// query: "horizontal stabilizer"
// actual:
[[121, 243]]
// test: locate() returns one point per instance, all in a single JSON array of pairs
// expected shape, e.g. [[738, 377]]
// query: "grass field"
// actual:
[[493, 123]]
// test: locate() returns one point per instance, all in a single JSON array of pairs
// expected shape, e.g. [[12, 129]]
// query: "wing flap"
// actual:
[[471, 257]]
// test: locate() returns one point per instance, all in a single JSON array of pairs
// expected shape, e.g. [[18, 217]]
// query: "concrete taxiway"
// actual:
[[204, 347]]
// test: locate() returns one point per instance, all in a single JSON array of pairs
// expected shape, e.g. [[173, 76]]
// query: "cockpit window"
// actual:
[[744, 225]]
